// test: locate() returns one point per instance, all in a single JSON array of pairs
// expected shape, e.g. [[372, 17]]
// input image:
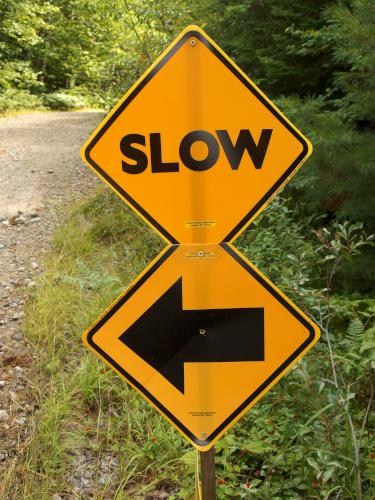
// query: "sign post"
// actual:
[[208, 474], [198, 151]]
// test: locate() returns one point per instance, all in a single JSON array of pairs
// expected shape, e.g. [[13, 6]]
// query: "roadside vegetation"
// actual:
[[312, 436]]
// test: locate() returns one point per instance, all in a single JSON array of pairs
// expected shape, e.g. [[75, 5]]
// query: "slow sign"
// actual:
[[195, 140]]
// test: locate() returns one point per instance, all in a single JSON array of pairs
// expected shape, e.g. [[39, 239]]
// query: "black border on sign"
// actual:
[[153, 399], [227, 62]]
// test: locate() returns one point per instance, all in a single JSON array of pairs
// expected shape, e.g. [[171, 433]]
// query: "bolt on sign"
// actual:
[[198, 151]]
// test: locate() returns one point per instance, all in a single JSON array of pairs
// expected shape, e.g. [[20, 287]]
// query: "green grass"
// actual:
[[22, 111], [85, 409], [297, 442]]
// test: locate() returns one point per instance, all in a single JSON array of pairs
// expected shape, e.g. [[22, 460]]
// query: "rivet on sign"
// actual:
[[192, 42], [200, 254], [202, 331], [204, 435]]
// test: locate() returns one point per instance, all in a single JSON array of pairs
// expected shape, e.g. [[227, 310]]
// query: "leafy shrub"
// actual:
[[19, 75], [315, 426], [12, 99], [64, 101], [93, 98]]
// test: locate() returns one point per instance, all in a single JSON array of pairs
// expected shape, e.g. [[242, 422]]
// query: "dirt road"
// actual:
[[40, 171]]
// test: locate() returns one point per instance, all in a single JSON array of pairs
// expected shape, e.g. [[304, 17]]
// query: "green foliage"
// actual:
[[350, 31], [318, 441], [64, 101], [259, 245], [21, 28], [267, 39], [18, 75], [317, 60], [59, 46], [310, 437], [12, 99]]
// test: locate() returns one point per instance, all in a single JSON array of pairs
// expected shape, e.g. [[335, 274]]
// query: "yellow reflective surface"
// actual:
[[212, 278]]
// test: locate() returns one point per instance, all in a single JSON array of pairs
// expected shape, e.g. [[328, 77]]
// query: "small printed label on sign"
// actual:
[[202, 413], [200, 223], [199, 255]]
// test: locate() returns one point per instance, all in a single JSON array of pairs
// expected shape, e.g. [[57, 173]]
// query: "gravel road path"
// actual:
[[40, 171]]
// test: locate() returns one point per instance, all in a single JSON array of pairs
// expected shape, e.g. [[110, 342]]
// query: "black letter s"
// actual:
[[133, 153]]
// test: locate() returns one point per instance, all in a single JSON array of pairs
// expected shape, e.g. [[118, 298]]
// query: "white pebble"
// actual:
[[4, 416]]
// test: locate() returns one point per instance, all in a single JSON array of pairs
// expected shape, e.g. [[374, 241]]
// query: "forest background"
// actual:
[[312, 436]]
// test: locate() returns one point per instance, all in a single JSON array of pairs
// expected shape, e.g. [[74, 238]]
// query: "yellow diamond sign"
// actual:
[[202, 335], [194, 146], [198, 151]]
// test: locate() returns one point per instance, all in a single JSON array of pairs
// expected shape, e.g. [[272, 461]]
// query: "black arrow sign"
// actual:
[[166, 336]]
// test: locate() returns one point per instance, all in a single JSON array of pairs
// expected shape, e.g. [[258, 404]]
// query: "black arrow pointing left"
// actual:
[[166, 336]]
